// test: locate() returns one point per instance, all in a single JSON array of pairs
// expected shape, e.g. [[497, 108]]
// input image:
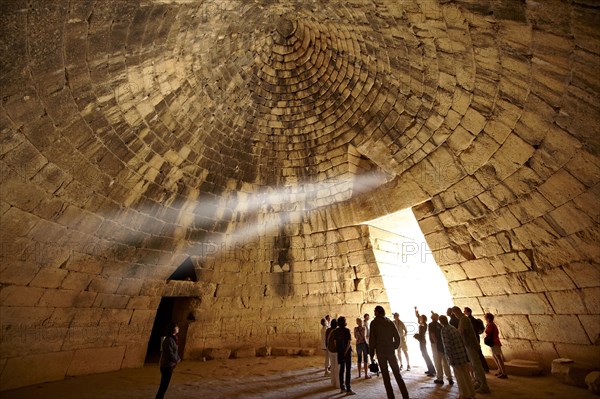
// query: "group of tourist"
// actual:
[[377, 338], [454, 339]]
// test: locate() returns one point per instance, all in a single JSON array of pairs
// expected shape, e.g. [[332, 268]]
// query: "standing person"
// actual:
[[324, 345], [465, 328], [343, 342], [366, 323], [453, 319], [455, 350], [383, 341], [479, 328], [403, 346], [361, 346], [332, 350], [327, 321], [437, 349], [169, 358], [492, 330], [422, 338]]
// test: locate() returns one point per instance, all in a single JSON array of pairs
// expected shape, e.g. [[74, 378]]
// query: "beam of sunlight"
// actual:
[[264, 223]]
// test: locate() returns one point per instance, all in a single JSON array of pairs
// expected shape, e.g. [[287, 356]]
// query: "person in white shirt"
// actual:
[[366, 318], [324, 344]]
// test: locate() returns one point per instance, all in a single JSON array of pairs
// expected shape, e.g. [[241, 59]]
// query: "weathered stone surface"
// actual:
[[96, 360], [526, 368], [217, 353], [246, 351], [264, 351], [33, 369], [136, 138], [285, 351], [553, 328], [592, 380], [571, 372]]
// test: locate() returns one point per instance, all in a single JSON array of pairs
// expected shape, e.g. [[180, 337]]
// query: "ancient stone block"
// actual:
[[516, 304], [567, 219], [246, 351], [554, 328], [20, 296], [465, 288], [217, 353], [515, 326], [561, 187], [571, 372], [96, 360], [263, 351], [566, 302], [285, 351], [510, 262], [592, 380], [478, 268], [583, 274], [584, 167], [135, 354], [28, 370], [514, 149], [59, 298]]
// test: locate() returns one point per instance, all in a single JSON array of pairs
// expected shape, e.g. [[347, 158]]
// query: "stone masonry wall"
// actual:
[[251, 301], [133, 134]]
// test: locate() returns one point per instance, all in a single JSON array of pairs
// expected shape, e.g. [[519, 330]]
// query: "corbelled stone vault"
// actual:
[[217, 161]]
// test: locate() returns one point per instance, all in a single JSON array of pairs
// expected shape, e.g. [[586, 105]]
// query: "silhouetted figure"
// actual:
[[479, 328], [343, 342], [384, 339], [324, 345], [465, 328], [452, 320], [335, 381], [169, 358], [422, 338], [437, 349]]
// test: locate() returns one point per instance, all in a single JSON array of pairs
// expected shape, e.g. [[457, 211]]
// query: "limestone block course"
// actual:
[[32, 369], [566, 329], [516, 304], [96, 360]]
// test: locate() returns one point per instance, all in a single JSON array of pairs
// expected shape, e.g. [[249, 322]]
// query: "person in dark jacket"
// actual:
[[422, 338], [453, 320], [384, 339], [343, 343], [169, 358], [479, 328], [437, 350]]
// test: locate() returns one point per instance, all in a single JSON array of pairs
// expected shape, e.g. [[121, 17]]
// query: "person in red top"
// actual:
[[492, 330]]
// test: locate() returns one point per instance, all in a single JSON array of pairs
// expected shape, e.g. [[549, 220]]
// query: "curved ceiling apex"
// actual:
[[285, 27]]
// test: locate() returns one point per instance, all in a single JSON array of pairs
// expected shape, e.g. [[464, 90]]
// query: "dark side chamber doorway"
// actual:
[[177, 309]]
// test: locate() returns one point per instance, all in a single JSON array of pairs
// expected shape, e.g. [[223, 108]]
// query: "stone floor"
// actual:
[[278, 377]]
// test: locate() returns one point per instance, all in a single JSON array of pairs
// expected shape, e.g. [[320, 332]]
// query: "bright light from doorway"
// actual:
[[410, 274]]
